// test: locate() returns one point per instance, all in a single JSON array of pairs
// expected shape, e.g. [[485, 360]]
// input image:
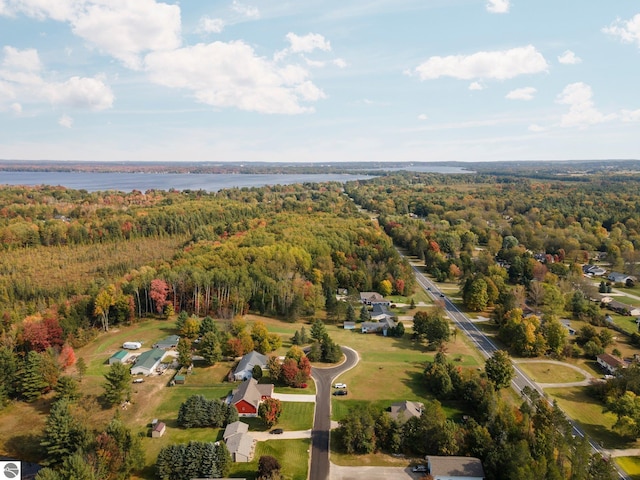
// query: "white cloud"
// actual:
[[498, 6], [210, 25], [340, 63], [476, 86], [308, 43], [525, 93], [121, 28], [500, 65], [627, 30], [582, 111], [630, 115], [422, 117], [65, 121], [21, 78], [231, 75], [534, 127], [569, 58], [246, 10]]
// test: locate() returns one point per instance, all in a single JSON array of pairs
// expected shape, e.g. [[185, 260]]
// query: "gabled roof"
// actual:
[[241, 443], [120, 354], [610, 360], [250, 360], [379, 309], [170, 341], [149, 358], [251, 392], [455, 466], [403, 411], [234, 429], [159, 427], [618, 277]]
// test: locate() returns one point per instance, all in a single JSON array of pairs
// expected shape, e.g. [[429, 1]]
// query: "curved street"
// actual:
[[319, 468]]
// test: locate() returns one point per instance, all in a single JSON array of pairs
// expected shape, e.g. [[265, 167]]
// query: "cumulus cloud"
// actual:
[[422, 117], [476, 86], [245, 10], [630, 115], [231, 75], [569, 58], [498, 6], [340, 63], [120, 28], [582, 111], [526, 93], [499, 65], [22, 79], [307, 43], [628, 31], [210, 25], [65, 121]]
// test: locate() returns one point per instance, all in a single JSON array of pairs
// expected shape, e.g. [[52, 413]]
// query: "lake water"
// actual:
[[126, 182]]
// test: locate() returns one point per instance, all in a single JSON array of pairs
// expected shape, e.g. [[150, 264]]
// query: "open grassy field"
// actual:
[[292, 454], [551, 373], [588, 412], [631, 465]]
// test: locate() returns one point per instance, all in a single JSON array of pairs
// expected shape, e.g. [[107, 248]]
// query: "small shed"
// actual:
[[349, 325], [118, 357], [158, 430], [179, 379]]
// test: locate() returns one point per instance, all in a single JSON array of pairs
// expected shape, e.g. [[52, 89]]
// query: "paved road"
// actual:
[[319, 468], [486, 347]]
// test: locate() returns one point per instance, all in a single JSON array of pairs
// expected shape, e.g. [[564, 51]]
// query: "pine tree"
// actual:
[[67, 387], [81, 368], [118, 384], [351, 314], [184, 352], [31, 382], [304, 336], [76, 467], [364, 314], [210, 348], [62, 433], [208, 326], [8, 371]]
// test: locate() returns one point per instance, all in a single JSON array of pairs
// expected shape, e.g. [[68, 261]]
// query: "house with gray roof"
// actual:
[[234, 428], [168, 343], [247, 397], [147, 362], [241, 446], [373, 298], [403, 411], [382, 326], [455, 468], [244, 370]]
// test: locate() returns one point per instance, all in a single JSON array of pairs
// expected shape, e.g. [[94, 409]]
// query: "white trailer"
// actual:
[[132, 345]]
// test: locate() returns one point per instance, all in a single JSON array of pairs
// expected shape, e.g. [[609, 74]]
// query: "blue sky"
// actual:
[[313, 81]]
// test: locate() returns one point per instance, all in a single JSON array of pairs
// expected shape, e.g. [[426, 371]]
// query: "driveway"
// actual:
[[264, 436], [294, 397], [372, 473]]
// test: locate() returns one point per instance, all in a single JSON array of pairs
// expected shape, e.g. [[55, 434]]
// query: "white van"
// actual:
[[131, 345]]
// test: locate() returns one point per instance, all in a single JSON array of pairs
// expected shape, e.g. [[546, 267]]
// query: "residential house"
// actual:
[[455, 468], [118, 357], [616, 277], [235, 428], [158, 430], [567, 324], [147, 362], [593, 270], [168, 343], [610, 363], [403, 411], [378, 327], [380, 312], [241, 447], [244, 370], [247, 397], [619, 307], [373, 298]]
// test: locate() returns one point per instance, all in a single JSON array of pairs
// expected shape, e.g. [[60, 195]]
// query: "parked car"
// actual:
[[419, 468], [276, 431], [340, 385], [340, 392], [442, 294], [138, 380]]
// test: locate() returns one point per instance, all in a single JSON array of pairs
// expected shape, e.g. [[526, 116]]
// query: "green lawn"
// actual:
[[588, 412], [295, 416], [631, 465], [293, 456], [551, 373], [627, 323]]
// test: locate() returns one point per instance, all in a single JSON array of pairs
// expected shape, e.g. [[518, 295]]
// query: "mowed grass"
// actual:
[[551, 373], [631, 465], [293, 456], [588, 412]]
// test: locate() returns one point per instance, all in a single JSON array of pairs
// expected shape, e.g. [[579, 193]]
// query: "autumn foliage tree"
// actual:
[[269, 411], [158, 293]]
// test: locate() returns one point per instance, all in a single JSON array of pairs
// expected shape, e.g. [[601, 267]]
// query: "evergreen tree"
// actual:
[[256, 372], [8, 371], [351, 315], [315, 352], [32, 384], [76, 467], [208, 325], [295, 340], [117, 385], [210, 348], [62, 434], [81, 368], [318, 330], [67, 387], [48, 474], [129, 448], [304, 336], [365, 316]]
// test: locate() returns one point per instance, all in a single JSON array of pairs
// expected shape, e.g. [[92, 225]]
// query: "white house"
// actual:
[[147, 362], [373, 298], [610, 363], [617, 277]]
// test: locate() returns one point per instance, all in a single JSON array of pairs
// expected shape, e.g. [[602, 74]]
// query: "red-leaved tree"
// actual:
[[67, 356], [269, 411], [158, 293]]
